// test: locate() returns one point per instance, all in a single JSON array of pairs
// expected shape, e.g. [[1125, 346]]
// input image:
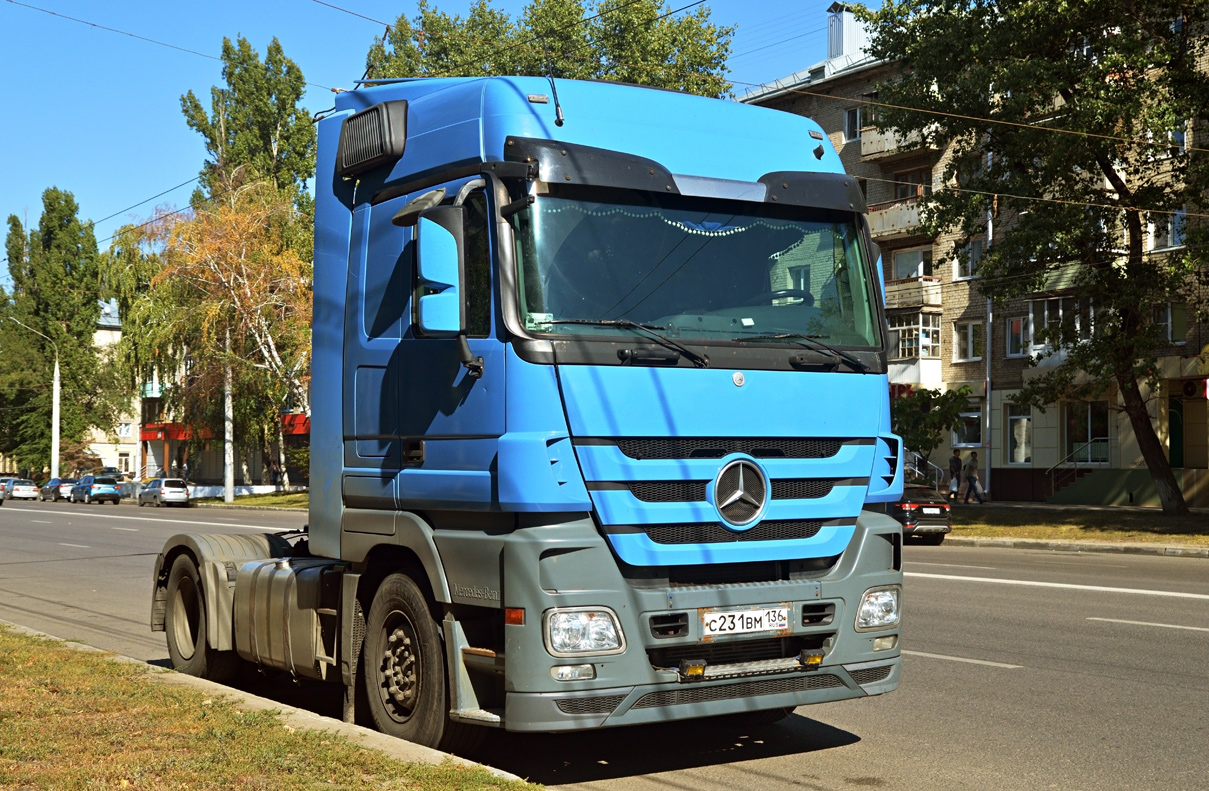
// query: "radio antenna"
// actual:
[[558, 108]]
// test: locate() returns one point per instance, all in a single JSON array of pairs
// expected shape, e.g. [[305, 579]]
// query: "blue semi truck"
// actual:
[[600, 394]]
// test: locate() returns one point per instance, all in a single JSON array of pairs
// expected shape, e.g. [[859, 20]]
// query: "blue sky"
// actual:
[[97, 112]]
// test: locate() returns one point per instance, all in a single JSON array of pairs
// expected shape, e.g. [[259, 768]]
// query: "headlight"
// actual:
[[578, 631], [879, 608]]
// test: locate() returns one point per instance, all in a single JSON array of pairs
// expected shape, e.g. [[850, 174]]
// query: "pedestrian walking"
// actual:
[[971, 473], [955, 466]]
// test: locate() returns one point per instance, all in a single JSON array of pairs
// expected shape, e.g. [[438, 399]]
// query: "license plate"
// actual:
[[763, 619], [932, 511]]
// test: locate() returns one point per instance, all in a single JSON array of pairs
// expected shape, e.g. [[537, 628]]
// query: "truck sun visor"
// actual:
[[565, 163], [372, 137], [836, 191]]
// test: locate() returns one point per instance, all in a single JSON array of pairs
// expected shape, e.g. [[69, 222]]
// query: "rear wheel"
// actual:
[[933, 539], [404, 670], [185, 625]]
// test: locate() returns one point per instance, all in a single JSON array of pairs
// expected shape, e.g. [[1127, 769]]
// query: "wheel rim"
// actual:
[[402, 670], [186, 618]]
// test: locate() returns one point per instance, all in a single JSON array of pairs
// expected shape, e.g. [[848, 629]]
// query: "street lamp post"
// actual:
[[54, 410]]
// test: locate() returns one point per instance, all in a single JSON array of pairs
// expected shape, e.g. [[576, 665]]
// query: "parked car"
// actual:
[[96, 489], [57, 489], [924, 513], [4, 484], [165, 491], [22, 489]]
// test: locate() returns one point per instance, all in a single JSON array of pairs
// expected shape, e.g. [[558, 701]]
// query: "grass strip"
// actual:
[[275, 499], [1103, 524], [73, 719]]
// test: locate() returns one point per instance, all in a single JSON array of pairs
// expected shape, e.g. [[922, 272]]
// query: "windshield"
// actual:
[[696, 268]]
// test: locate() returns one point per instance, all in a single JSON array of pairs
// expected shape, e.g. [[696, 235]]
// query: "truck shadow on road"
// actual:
[[606, 754]]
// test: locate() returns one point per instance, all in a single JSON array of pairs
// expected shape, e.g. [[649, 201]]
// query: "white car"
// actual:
[[23, 489], [165, 491]]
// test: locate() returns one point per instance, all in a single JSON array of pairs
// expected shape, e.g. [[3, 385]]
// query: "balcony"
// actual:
[[886, 145], [914, 292], [894, 220]]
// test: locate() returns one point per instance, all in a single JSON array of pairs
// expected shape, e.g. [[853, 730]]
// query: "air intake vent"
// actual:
[[371, 138]]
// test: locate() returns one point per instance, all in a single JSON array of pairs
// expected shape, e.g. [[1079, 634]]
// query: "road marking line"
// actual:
[[40, 522], [952, 565], [962, 659], [160, 520], [78, 546], [1065, 585], [1148, 623], [127, 529]]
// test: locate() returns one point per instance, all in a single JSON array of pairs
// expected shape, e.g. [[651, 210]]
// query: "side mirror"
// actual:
[[438, 239]]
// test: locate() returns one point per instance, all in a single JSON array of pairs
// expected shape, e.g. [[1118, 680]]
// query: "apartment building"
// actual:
[[945, 334]]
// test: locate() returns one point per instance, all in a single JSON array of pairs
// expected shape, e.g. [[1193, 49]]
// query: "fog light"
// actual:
[[811, 659], [583, 630], [692, 669], [879, 608], [885, 643], [573, 672]]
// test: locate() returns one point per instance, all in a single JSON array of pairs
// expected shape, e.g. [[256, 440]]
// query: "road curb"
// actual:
[[1162, 550], [390, 746]]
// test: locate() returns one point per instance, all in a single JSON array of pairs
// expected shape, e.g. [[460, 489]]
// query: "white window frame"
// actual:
[[922, 269], [799, 277], [1011, 415], [968, 270], [1169, 316], [968, 337], [918, 336], [1167, 230], [1025, 335], [972, 416], [852, 124], [1045, 305]]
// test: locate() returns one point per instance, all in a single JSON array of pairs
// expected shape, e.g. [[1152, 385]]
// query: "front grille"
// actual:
[[716, 448], [695, 693], [871, 675], [694, 491], [714, 533], [601, 705]]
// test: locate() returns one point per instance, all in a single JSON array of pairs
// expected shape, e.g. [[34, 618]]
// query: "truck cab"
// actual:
[[599, 397]]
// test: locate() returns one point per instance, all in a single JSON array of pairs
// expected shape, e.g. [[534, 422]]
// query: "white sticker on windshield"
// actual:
[[747, 322]]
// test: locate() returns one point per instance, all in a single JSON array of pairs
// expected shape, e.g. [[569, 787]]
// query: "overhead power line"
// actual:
[[120, 32]]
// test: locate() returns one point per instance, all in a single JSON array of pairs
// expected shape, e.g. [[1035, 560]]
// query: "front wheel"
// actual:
[[88, 499], [404, 670], [185, 625]]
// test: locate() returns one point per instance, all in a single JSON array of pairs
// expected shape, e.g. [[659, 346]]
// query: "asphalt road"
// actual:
[[1022, 669]]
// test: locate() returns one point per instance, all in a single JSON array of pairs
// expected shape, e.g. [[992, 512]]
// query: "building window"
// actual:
[[912, 184], [966, 263], [125, 430], [1059, 320], [1018, 336], [1167, 230], [967, 341], [852, 124], [799, 278], [1177, 140], [918, 336], [969, 433], [1172, 320], [912, 263], [1086, 430], [124, 462], [1019, 439]]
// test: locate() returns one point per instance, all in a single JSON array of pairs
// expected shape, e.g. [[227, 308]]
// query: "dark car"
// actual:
[[57, 489], [924, 513], [96, 489]]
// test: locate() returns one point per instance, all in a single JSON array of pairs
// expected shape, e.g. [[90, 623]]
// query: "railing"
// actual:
[[1096, 453], [917, 466], [912, 292], [894, 218]]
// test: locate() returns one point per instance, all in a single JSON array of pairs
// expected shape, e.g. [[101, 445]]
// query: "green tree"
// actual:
[[635, 41], [55, 299], [925, 418], [1124, 81], [256, 121]]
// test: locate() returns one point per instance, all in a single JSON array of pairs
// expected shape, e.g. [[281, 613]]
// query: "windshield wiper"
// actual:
[[653, 331], [809, 341]]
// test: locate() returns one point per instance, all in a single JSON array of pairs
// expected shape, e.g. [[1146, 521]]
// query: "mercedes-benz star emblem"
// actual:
[[740, 492]]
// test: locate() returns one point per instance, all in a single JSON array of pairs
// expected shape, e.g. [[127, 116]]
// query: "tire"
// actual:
[[932, 539], [141, 503], [404, 670], [88, 498], [185, 626]]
